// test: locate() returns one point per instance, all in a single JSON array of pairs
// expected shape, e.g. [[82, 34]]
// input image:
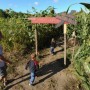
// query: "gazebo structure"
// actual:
[[51, 20]]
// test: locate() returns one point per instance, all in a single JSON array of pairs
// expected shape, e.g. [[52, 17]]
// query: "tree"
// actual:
[[3, 14]]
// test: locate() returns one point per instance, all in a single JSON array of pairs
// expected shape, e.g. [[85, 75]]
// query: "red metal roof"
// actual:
[[44, 20]]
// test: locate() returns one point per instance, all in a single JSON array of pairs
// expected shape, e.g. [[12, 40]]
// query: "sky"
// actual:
[[26, 5]]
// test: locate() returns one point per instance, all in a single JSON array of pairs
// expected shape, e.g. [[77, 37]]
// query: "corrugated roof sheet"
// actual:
[[44, 20]]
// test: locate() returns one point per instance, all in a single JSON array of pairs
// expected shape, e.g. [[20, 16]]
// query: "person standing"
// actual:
[[52, 47], [31, 64]]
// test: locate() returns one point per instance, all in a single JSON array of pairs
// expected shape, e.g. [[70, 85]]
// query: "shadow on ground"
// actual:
[[51, 69], [48, 69]]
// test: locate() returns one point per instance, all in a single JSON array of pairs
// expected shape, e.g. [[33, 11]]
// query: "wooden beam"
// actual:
[[66, 19], [65, 28], [36, 41]]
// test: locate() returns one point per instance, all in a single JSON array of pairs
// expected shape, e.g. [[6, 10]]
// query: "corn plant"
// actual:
[[81, 58], [16, 32]]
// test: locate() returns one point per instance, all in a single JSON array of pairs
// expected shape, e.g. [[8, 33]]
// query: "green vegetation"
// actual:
[[19, 37], [81, 60], [19, 32]]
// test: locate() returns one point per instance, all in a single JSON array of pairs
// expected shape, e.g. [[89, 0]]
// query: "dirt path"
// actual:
[[52, 75]]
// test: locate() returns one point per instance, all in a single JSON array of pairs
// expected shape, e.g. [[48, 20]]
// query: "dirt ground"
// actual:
[[53, 75]]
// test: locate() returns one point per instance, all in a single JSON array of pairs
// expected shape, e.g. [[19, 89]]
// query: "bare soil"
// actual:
[[53, 75]]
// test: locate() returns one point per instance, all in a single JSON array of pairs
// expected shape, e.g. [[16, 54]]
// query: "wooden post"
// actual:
[[36, 41], [74, 40], [65, 27]]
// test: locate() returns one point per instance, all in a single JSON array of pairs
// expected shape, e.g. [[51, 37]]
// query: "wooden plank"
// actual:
[[65, 28], [36, 41], [66, 19], [68, 15], [59, 24], [44, 20]]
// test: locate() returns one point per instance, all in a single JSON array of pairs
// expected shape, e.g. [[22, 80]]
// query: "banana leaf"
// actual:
[[87, 5], [69, 7]]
